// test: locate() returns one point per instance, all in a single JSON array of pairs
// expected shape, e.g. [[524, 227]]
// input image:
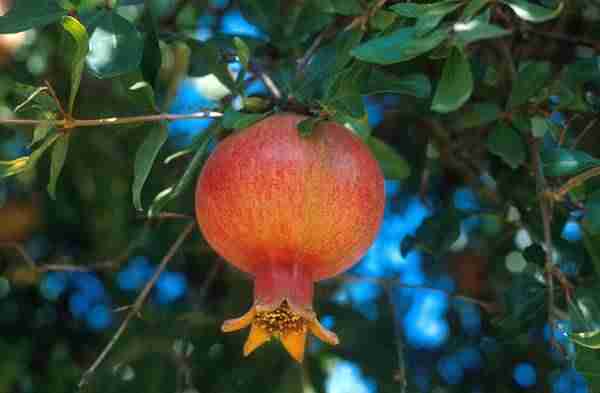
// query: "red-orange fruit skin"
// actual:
[[268, 197]]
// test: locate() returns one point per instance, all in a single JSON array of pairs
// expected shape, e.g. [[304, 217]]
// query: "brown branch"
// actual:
[[575, 181], [139, 302], [546, 210], [110, 121]]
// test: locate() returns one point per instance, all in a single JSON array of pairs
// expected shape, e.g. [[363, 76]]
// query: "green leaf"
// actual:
[[401, 45], [59, 155], [394, 166], [36, 98], [508, 144], [189, 176], [479, 114], [151, 55], [234, 120], [437, 233], [382, 20], [22, 164], [566, 162], [427, 23], [116, 46], [144, 159], [206, 59], [592, 216], [80, 42], [413, 10], [27, 14], [584, 312], [306, 126], [476, 30], [592, 246], [327, 62], [531, 79], [342, 7], [587, 362], [539, 126], [473, 8], [343, 91], [532, 12], [456, 85], [242, 50], [380, 82], [358, 125]]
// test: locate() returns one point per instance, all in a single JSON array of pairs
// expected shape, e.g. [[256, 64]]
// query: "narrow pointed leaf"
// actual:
[[401, 45], [58, 158], [394, 166], [80, 45], [144, 159], [532, 12], [456, 84]]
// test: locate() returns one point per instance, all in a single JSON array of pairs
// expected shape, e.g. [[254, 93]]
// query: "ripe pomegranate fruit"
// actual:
[[290, 211]]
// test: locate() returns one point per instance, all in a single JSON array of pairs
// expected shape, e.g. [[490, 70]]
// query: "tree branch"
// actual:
[[111, 121], [137, 305], [546, 211]]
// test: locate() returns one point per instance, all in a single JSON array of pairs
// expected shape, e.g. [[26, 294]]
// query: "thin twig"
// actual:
[[56, 100], [546, 210], [110, 121], [138, 304], [400, 374], [584, 132], [575, 181]]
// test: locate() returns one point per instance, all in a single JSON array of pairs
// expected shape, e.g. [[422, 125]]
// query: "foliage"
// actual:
[[481, 112]]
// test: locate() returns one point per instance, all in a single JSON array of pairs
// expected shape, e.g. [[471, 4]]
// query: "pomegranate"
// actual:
[[290, 211]]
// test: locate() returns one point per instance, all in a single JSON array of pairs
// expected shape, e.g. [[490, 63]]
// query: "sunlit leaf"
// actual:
[[401, 45], [116, 46], [533, 12], [80, 40], [566, 162]]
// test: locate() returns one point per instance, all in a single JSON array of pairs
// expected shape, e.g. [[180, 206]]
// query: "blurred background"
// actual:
[[70, 267]]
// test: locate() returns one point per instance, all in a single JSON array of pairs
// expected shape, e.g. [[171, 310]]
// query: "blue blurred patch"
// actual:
[[170, 287], [79, 304], [571, 231], [465, 199], [233, 23], [347, 377], [469, 316], [135, 275], [89, 285], [470, 358], [569, 381], [525, 375], [450, 369], [558, 118], [423, 331], [362, 296], [54, 284], [375, 111], [189, 99], [99, 317]]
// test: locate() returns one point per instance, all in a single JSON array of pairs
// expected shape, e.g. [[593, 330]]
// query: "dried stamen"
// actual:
[[282, 321]]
